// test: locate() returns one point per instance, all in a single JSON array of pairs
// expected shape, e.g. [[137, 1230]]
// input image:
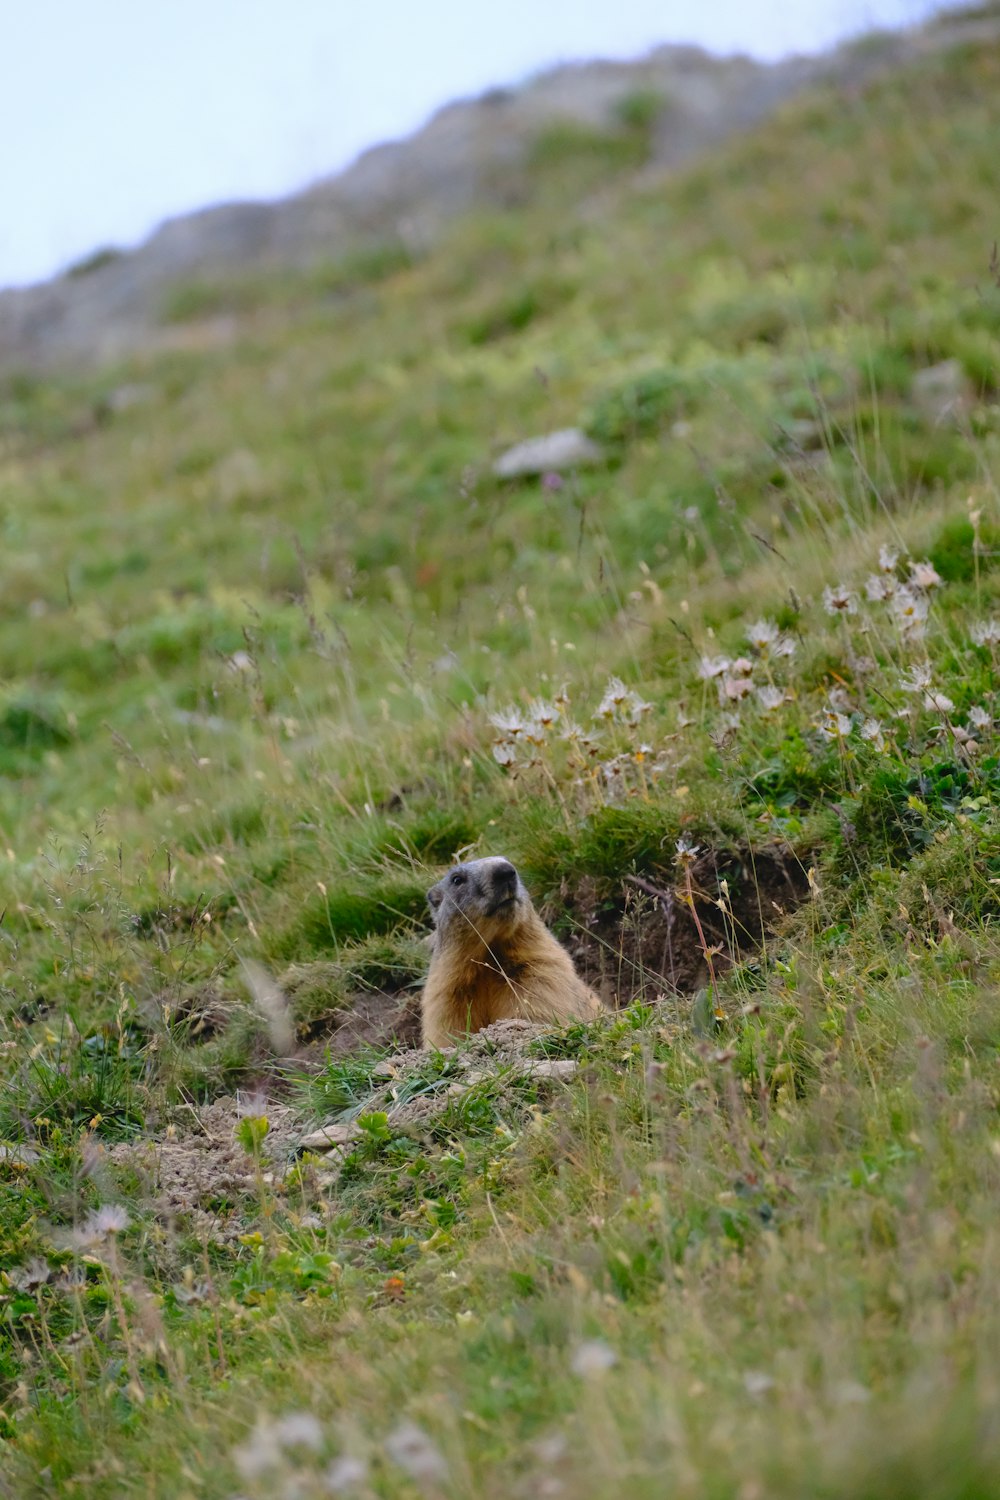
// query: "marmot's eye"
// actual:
[[457, 879]]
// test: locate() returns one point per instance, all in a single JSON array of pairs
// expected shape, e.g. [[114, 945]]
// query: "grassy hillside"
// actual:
[[275, 646]]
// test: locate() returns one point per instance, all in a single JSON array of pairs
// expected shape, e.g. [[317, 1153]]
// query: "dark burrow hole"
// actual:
[[649, 939]]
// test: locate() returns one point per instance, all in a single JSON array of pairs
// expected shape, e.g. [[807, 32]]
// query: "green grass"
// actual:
[[276, 648]]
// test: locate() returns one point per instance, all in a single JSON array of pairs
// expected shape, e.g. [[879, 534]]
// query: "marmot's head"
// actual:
[[481, 898]]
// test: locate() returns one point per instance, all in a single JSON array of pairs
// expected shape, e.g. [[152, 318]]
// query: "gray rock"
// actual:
[[801, 433], [562, 1068], [330, 1138], [554, 453], [472, 154], [942, 391]]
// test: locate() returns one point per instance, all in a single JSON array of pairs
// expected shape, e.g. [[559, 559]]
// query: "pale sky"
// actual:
[[117, 114]]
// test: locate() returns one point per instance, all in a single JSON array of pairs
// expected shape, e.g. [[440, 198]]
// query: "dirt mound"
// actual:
[[196, 1176], [200, 1182]]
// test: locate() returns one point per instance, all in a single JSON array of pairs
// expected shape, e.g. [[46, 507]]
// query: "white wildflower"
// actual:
[[509, 721], [413, 1451], [687, 852], [593, 1359], [632, 709], [771, 698], [36, 1273], [887, 560], [986, 632], [345, 1474], [99, 1225], [504, 753], [725, 727], [259, 1453], [939, 702], [543, 713], [762, 634], [572, 732], [871, 730], [615, 695], [741, 667], [924, 576], [879, 587], [918, 679], [910, 610], [299, 1429], [733, 689], [840, 601], [267, 1444], [979, 718], [713, 666], [783, 646], [836, 726]]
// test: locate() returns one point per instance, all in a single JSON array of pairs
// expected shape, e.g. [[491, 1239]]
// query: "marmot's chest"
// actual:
[[485, 986]]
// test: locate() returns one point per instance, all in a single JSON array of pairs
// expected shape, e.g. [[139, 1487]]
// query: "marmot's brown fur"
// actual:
[[494, 958]]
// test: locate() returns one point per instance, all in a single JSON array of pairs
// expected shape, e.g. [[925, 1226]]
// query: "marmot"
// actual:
[[494, 958]]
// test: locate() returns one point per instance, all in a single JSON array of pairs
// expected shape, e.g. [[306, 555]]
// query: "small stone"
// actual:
[[329, 1138], [942, 391], [124, 397], [592, 1359], [551, 1067], [553, 453], [802, 433], [19, 1156]]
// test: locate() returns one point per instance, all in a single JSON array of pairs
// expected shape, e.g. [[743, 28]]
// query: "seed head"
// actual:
[[762, 634], [986, 632], [713, 666], [840, 600], [687, 853], [836, 726], [879, 587], [771, 698], [509, 721], [917, 679], [924, 575]]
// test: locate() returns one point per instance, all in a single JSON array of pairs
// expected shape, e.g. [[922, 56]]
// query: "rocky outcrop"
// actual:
[[470, 154]]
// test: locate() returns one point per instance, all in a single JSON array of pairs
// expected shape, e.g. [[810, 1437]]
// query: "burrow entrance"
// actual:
[[642, 942]]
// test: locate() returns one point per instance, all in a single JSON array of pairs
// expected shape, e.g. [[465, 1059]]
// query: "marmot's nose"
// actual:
[[504, 878]]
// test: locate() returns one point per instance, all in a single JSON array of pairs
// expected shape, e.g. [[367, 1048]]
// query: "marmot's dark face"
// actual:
[[482, 896]]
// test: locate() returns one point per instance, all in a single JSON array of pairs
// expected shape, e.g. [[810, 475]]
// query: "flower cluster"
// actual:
[[908, 601], [734, 676], [610, 757], [902, 591]]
